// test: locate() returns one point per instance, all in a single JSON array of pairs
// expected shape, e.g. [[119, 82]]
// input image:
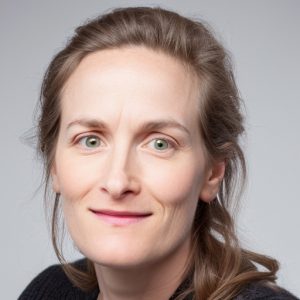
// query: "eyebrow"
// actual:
[[146, 126]]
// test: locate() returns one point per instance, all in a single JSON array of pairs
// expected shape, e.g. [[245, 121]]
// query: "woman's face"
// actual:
[[130, 163]]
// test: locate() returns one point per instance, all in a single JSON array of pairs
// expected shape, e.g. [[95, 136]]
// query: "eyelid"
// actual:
[[173, 144], [76, 140]]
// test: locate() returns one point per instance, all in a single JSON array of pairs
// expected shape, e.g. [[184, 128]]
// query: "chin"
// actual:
[[117, 253], [118, 259]]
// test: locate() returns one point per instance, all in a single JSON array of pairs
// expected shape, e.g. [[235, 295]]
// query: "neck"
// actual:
[[152, 281]]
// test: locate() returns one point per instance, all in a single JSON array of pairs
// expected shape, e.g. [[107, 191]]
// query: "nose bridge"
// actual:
[[118, 178], [119, 159]]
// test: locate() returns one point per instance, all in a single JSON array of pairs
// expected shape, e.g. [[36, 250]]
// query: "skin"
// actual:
[[106, 159]]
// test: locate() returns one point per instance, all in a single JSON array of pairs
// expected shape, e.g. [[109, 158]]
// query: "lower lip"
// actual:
[[120, 220]]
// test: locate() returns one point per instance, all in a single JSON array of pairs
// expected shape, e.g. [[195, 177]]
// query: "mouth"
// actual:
[[120, 218]]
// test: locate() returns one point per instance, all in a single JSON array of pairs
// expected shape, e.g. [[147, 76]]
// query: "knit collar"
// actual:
[[182, 287]]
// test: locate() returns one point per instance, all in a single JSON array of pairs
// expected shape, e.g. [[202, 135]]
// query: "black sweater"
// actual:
[[53, 284]]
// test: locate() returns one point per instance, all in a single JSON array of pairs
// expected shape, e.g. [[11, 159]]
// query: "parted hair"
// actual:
[[218, 266]]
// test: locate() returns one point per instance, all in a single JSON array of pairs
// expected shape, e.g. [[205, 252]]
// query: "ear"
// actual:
[[54, 179], [212, 182]]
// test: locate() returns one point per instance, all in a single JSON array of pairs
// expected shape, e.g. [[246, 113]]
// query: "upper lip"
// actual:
[[121, 213]]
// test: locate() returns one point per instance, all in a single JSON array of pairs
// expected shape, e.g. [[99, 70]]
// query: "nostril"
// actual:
[[119, 182], [117, 191], [120, 192]]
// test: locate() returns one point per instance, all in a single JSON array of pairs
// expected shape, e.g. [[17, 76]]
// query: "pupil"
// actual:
[[92, 142], [160, 144]]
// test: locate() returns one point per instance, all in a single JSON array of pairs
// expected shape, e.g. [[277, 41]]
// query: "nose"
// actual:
[[120, 178]]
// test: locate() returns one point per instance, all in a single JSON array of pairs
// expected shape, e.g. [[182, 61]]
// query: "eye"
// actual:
[[161, 144], [91, 141]]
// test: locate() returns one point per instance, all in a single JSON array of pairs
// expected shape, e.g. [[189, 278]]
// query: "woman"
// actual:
[[139, 128]]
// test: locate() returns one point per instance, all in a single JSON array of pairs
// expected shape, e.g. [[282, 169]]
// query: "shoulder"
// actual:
[[264, 291], [52, 283]]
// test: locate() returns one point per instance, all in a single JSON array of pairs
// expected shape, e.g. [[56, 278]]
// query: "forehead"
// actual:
[[136, 81]]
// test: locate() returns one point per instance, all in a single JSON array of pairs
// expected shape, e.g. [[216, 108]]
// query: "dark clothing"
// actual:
[[53, 284]]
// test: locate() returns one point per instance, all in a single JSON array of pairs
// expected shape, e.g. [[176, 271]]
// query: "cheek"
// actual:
[[76, 177], [174, 184], [175, 188]]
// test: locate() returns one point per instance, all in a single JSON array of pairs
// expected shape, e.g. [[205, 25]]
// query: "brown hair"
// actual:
[[219, 267]]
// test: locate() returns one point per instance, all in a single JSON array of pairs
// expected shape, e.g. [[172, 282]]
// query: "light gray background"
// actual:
[[264, 39]]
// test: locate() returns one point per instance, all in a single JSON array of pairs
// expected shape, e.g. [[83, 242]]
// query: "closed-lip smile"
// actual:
[[120, 218]]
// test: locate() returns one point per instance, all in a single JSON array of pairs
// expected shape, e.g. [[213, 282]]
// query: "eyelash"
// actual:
[[81, 139], [172, 145]]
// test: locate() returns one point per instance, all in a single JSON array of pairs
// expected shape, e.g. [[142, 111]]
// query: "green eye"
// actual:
[[90, 141], [160, 144]]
